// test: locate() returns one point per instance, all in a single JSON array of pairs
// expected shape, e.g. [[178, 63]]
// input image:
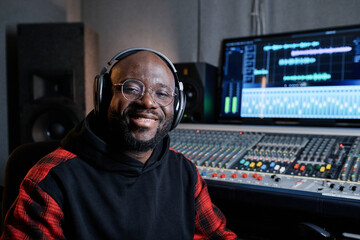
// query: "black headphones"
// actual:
[[103, 86]]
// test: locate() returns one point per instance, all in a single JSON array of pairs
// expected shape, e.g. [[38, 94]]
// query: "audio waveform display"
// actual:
[[260, 71], [313, 102], [320, 51], [310, 77], [277, 47], [296, 61]]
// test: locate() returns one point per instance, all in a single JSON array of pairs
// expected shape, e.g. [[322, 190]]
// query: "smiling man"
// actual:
[[114, 175], [141, 110]]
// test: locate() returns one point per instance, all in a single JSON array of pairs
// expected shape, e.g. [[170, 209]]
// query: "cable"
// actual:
[[198, 31], [257, 18]]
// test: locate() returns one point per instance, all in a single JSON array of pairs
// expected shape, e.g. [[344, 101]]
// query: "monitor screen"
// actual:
[[292, 77]]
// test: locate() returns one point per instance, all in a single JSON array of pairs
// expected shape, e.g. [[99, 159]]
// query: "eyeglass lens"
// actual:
[[133, 89]]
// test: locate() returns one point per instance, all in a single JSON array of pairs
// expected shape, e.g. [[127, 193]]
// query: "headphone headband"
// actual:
[[128, 52]]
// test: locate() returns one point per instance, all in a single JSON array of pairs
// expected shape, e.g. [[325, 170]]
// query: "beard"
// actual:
[[119, 135]]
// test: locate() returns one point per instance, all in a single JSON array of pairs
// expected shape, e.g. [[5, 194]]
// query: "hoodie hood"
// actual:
[[83, 142]]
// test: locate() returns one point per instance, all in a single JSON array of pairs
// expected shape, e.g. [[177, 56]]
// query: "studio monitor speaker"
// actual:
[[200, 82], [51, 94]]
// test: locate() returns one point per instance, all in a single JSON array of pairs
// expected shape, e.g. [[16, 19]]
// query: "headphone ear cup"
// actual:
[[179, 108], [97, 93], [102, 93]]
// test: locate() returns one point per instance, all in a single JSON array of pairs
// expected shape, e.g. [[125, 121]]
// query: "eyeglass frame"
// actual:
[[146, 89]]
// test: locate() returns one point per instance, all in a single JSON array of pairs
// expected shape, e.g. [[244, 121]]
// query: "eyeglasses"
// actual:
[[133, 89]]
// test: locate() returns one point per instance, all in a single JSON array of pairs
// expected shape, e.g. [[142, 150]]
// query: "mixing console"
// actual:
[[323, 161]]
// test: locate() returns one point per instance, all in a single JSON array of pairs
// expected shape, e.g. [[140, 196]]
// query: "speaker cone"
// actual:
[[191, 93], [53, 125]]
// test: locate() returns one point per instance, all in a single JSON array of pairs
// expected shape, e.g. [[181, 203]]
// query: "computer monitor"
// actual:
[[308, 77]]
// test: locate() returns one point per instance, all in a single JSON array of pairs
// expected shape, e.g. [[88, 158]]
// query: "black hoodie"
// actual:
[[112, 196]]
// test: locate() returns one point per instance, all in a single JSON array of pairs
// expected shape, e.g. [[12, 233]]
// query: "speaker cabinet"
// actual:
[[50, 94], [200, 82]]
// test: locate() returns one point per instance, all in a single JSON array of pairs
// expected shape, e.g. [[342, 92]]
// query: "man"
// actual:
[[114, 176]]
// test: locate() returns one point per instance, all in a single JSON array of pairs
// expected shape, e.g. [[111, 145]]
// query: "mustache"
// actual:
[[133, 112]]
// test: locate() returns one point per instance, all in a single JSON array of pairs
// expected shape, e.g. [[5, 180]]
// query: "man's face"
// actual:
[[141, 123]]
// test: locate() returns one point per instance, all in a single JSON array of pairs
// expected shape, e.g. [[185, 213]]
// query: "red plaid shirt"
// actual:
[[210, 222], [36, 215]]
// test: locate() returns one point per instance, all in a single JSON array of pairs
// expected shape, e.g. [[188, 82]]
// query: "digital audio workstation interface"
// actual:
[[304, 75], [312, 75]]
